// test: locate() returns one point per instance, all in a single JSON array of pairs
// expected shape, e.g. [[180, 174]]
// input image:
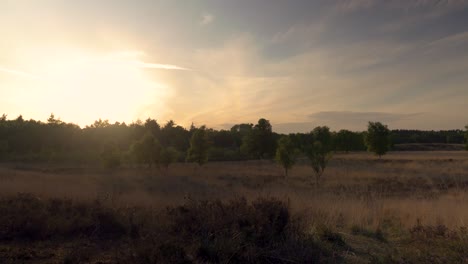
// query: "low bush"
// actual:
[[237, 231], [29, 218]]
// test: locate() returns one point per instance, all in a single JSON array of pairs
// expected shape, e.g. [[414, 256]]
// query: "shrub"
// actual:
[[237, 231], [260, 232], [377, 138], [377, 234], [26, 217]]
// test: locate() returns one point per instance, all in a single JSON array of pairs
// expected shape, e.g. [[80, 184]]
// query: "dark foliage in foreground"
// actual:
[[263, 231]]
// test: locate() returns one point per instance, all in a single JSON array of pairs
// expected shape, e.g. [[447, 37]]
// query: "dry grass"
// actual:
[[358, 189], [408, 207]]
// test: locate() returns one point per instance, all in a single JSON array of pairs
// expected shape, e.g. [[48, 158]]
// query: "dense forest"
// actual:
[[58, 141]]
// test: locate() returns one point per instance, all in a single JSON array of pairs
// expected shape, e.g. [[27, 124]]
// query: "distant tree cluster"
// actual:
[[151, 144], [455, 136], [146, 143], [466, 137], [317, 146]]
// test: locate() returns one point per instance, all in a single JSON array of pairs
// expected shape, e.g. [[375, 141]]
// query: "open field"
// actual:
[[408, 207]]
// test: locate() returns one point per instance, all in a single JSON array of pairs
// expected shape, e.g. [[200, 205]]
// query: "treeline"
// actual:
[[455, 136], [57, 141]]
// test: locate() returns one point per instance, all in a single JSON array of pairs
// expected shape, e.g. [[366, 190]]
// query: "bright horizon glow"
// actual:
[[16, 72], [82, 87], [299, 64]]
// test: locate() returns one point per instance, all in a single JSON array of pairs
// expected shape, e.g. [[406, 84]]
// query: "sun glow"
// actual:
[[82, 86]]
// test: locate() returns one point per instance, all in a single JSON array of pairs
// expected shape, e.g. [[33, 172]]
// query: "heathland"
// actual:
[[406, 207], [145, 193]]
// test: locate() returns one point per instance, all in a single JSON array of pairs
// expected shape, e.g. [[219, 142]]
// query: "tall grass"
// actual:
[[358, 188], [364, 204]]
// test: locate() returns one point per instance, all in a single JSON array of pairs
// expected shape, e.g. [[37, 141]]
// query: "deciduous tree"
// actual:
[[147, 150], [111, 156], [286, 154], [377, 138], [466, 137], [199, 144], [168, 156], [319, 151], [260, 142]]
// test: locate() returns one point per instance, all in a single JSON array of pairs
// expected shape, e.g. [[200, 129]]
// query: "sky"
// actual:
[[299, 64]]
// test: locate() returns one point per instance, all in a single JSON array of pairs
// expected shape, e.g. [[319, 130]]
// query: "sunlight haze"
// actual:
[[219, 63]]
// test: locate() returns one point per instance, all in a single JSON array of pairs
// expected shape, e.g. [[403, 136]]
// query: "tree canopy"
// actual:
[[286, 154], [199, 144], [377, 138], [259, 141], [147, 150], [466, 137], [104, 142], [319, 151]]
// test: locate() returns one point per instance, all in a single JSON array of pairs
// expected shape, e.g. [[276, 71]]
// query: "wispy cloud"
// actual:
[[142, 64], [352, 5], [16, 72], [358, 120], [450, 41], [407, 5], [378, 59], [135, 57], [346, 116], [206, 19]]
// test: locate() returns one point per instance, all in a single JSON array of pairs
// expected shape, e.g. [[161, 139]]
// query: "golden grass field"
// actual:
[[407, 207], [357, 189]]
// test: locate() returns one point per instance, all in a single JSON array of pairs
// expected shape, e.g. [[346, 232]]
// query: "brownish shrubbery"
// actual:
[[237, 231], [28, 218]]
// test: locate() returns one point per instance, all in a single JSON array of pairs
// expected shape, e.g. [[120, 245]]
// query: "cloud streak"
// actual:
[[148, 65], [388, 61], [358, 120], [206, 19], [16, 72], [350, 116]]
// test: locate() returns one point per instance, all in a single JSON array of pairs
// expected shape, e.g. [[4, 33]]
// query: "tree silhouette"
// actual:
[[175, 136], [344, 140], [466, 137], [111, 156], [100, 123], [168, 156], [199, 144], [260, 142], [318, 151], [152, 126], [20, 119], [147, 150], [286, 154], [53, 121], [57, 141], [239, 132], [377, 138]]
